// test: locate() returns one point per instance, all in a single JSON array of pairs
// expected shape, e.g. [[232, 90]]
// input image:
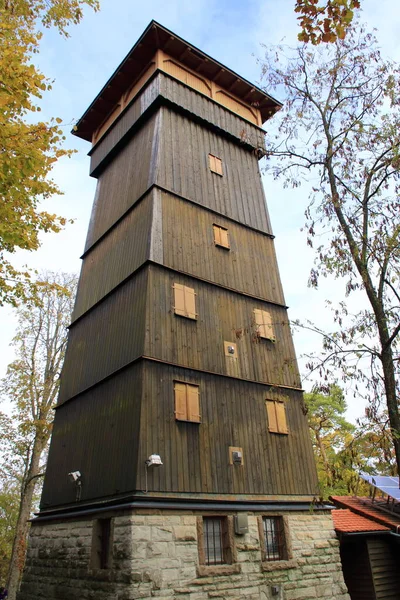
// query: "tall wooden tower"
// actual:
[[179, 352]]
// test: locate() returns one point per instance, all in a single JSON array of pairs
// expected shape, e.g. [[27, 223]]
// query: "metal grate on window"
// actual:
[[213, 541], [274, 538]]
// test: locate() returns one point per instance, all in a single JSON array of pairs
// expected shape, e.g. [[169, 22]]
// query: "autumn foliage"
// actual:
[[29, 146]]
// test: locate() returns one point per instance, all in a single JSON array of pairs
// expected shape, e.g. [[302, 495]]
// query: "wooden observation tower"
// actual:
[[179, 353]]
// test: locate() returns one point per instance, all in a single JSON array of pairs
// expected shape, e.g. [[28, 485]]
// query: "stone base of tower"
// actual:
[[158, 554]]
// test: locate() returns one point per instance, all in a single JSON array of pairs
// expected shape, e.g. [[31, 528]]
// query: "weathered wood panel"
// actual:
[[385, 567], [164, 88], [118, 255], [98, 435], [222, 316], [184, 169], [196, 456], [357, 570], [248, 266], [107, 338], [126, 178]]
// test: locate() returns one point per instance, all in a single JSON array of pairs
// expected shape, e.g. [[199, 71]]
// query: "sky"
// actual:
[[231, 32]]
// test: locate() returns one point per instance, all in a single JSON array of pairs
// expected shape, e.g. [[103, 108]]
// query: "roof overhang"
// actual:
[[156, 37]]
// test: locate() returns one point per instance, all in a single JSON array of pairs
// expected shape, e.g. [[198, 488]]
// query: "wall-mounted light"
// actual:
[[76, 478], [154, 460]]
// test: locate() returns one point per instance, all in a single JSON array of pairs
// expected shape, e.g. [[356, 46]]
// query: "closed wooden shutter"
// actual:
[[180, 401], [263, 322], [215, 164], [221, 236], [281, 417], [193, 403], [187, 402], [224, 237], [179, 299], [184, 301], [276, 412], [217, 234], [272, 421], [259, 321], [190, 302]]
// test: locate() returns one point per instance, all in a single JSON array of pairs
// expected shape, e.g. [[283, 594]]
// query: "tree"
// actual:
[[28, 148], [340, 127], [31, 386], [343, 450], [325, 22], [9, 502]]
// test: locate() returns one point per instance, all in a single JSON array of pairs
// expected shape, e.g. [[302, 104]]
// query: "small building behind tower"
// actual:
[[180, 464]]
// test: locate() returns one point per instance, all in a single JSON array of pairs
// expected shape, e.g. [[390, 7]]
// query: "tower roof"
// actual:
[[157, 37]]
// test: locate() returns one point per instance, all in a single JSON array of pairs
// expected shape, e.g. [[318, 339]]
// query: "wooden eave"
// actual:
[[156, 37]]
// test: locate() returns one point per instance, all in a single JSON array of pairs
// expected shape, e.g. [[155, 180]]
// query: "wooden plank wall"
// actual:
[[126, 178], [98, 435], [222, 316], [196, 456], [357, 569], [184, 169], [164, 88], [385, 566], [249, 266], [118, 255], [109, 337]]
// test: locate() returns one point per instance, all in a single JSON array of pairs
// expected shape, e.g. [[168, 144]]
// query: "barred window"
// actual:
[[216, 545], [274, 539]]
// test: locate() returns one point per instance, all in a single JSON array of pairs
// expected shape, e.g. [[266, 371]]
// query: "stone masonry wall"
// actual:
[[156, 555]]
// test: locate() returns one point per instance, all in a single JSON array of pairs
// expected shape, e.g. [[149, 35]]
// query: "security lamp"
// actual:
[[154, 460], [75, 476]]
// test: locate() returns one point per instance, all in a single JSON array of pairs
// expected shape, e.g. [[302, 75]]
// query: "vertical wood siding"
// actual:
[[183, 169], [196, 456], [249, 266], [222, 316], [98, 435], [357, 570], [126, 178], [118, 255], [164, 88], [106, 339], [385, 567]]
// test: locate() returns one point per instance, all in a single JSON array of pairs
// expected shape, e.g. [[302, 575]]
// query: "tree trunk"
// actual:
[[324, 458], [22, 528]]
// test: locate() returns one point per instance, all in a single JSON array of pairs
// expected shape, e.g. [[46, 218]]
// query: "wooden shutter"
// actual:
[[180, 401], [215, 164], [179, 299], [193, 403], [276, 412], [224, 237], [217, 234], [268, 329], [263, 321], [221, 236], [211, 162], [281, 417], [190, 302], [259, 321], [272, 421]]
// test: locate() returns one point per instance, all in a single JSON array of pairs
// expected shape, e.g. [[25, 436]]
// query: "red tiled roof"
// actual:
[[366, 508], [346, 521]]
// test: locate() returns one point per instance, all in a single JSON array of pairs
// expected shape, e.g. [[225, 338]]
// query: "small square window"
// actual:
[[187, 402], [215, 164], [274, 539], [102, 537], [185, 301], [276, 411], [221, 236]]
